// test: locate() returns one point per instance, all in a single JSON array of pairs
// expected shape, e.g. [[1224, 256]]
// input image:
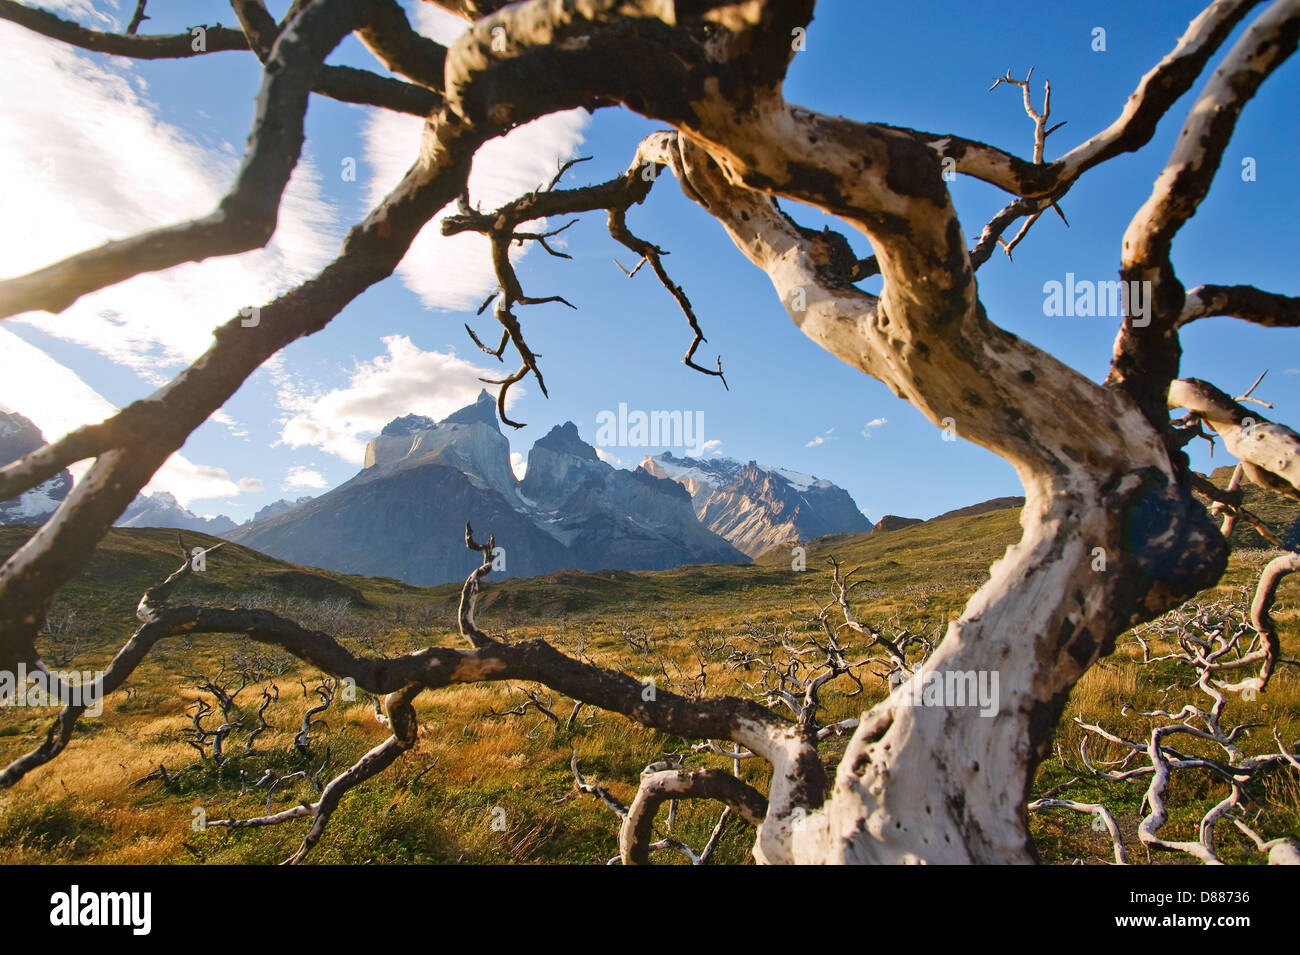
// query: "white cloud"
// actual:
[[710, 447], [299, 476], [85, 157], [188, 481], [455, 272], [435, 23], [1292, 371], [52, 395], [872, 425], [57, 401], [405, 380], [230, 424], [608, 458], [518, 464], [83, 11], [827, 435], [249, 485]]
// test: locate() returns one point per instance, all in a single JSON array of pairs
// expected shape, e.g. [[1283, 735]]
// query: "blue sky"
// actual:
[[96, 147]]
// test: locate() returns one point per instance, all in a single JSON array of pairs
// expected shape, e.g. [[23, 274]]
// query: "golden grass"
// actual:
[[478, 789]]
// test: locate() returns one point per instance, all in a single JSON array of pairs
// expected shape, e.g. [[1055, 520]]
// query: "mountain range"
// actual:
[[19, 437], [756, 507], [161, 509], [403, 514]]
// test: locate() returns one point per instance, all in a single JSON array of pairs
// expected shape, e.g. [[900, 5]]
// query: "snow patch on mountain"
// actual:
[[18, 438], [161, 509], [757, 507]]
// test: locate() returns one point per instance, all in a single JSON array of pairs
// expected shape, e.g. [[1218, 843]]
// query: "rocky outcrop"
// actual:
[[757, 507], [891, 522], [470, 441]]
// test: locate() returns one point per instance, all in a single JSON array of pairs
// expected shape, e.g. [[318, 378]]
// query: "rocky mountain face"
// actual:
[[161, 509], [404, 514], [19, 437], [614, 518], [275, 507], [757, 507]]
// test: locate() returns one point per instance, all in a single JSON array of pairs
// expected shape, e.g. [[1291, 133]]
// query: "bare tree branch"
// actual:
[[217, 39], [656, 788], [246, 217], [1147, 349], [1269, 452], [1241, 301], [1096, 809], [348, 84], [1132, 129]]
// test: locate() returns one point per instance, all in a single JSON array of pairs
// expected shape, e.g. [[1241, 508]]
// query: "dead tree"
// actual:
[[66, 635], [659, 784], [1210, 641], [324, 691], [538, 701], [270, 694], [232, 717], [1101, 462]]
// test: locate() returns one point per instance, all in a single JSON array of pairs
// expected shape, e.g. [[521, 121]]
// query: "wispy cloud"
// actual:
[[827, 435], [872, 425], [236, 429], [300, 476], [188, 481], [403, 380], [84, 11], [85, 157]]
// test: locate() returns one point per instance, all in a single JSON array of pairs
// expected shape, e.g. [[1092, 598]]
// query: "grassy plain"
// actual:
[[480, 788]]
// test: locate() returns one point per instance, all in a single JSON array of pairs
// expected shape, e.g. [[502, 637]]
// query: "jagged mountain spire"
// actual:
[[484, 410]]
